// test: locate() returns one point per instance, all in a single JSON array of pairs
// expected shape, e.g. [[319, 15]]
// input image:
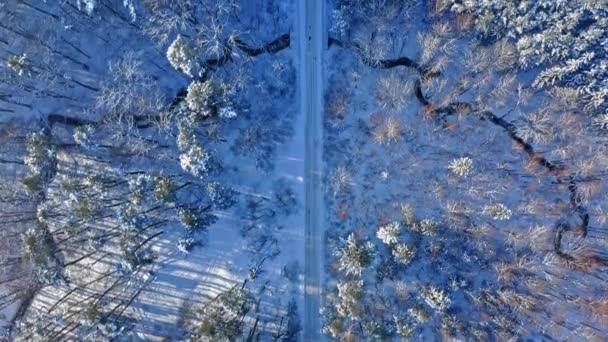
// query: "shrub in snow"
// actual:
[[284, 197], [227, 113], [389, 233], [538, 127], [111, 330], [291, 271], [183, 58], [497, 211], [185, 244], [461, 167], [339, 24], [222, 197], [393, 129], [96, 184], [355, 256], [128, 92], [128, 4], [404, 253], [387, 132], [83, 136], [89, 6], [138, 182], [393, 93], [19, 64], [435, 298], [49, 276], [336, 107], [386, 269], [86, 5], [407, 213], [341, 180], [379, 135]]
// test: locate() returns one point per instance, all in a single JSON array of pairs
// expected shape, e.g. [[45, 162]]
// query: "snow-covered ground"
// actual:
[[451, 215], [257, 242]]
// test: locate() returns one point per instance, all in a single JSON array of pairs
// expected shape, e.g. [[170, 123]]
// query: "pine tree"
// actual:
[[195, 161], [222, 319], [389, 233], [164, 189], [201, 97], [183, 58], [404, 253], [195, 219], [435, 298], [355, 256], [350, 294]]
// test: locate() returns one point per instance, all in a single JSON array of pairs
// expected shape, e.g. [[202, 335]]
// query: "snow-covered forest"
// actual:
[[159, 174]]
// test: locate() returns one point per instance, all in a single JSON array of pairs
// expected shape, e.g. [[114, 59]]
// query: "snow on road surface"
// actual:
[[310, 30]]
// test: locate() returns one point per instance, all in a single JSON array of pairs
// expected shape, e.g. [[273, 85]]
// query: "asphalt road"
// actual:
[[310, 33]]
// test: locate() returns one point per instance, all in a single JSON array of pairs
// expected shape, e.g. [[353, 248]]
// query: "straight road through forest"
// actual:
[[310, 32]]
